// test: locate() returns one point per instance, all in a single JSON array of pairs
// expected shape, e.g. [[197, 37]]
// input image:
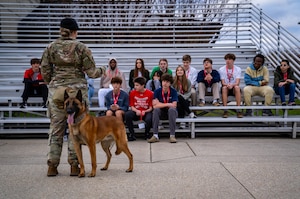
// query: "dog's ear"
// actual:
[[79, 95], [66, 96]]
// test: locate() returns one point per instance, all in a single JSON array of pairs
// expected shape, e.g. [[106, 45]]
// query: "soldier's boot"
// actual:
[[52, 171], [52, 168], [74, 171], [72, 159]]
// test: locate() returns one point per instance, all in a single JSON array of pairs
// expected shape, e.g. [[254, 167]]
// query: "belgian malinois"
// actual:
[[88, 130]]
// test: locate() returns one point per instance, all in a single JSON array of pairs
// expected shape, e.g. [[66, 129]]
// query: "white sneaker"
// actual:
[[192, 115], [160, 127], [65, 138], [182, 125]]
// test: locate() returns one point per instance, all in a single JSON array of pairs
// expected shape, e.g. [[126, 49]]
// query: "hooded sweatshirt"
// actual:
[[109, 74]]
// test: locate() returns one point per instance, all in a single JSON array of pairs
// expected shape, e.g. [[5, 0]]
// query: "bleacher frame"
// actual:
[[241, 28]]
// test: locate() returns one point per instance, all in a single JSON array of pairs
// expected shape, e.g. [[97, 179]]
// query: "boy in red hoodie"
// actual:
[[34, 84]]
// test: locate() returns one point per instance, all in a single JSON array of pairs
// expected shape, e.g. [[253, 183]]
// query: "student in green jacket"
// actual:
[[163, 66]]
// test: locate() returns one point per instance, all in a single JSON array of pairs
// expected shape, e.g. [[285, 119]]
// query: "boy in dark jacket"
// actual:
[[285, 82], [208, 83]]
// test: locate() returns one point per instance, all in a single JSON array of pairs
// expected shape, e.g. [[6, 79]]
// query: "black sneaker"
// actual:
[[44, 106], [267, 112], [147, 136], [248, 113], [101, 113], [23, 105], [131, 138]]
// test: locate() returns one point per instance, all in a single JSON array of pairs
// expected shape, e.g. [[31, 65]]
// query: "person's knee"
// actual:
[[172, 111], [292, 85], [247, 90], [109, 113], [236, 88], [269, 91], [156, 111]]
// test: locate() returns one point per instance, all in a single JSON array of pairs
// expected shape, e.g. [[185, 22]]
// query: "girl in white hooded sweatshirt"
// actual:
[[105, 85]]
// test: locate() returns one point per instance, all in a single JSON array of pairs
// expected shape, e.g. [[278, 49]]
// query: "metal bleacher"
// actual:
[[136, 29]]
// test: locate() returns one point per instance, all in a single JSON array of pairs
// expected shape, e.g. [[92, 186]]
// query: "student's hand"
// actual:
[[208, 77], [138, 112], [114, 107], [264, 83], [229, 86], [171, 105], [155, 102], [289, 81]]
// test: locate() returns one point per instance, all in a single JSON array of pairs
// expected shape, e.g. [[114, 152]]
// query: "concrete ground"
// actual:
[[205, 167]]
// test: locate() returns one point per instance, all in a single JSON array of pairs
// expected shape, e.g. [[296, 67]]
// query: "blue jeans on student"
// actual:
[[90, 94], [285, 90]]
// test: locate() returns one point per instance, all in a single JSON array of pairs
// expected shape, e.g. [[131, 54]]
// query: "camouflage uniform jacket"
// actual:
[[64, 62]]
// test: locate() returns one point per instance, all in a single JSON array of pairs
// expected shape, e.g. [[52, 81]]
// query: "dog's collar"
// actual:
[[78, 119]]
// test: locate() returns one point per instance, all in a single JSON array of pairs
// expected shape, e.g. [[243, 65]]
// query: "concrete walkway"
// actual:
[[205, 167]]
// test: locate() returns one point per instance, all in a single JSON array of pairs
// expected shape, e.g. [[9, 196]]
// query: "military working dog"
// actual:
[[89, 130]]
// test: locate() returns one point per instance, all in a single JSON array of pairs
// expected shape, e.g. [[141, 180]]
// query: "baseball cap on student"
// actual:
[[69, 23]]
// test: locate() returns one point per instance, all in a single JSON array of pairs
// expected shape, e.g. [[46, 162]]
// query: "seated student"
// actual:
[[163, 67], [183, 87], [34, 84], [138, 71], [164, 107], [105, 81], [285, 83], [155, 82], [191, 73], [257, 79], [208, 83], [230, 79], [117, 100], [140, 102]]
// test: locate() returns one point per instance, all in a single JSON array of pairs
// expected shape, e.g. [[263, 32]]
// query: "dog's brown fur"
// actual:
[[88, 130]]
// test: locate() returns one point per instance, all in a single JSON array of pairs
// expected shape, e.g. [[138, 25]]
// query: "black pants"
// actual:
[[35, 91], [183, 107], [131, 116]]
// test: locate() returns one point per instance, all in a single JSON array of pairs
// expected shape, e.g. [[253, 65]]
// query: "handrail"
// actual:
[[275, 42]]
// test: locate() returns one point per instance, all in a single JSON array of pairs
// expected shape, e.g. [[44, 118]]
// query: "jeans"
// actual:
[[285, 90], [90, 94]]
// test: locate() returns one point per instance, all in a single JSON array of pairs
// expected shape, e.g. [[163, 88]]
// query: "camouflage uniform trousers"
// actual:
[[58, 124]]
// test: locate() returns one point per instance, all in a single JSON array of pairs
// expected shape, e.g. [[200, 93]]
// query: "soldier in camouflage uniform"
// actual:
[[64, 65]]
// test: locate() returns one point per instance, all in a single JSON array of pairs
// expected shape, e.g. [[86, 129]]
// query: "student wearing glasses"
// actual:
[[285, 83]]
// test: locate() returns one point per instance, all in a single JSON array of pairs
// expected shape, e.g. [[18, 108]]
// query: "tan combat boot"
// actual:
[[52, 171], [74, 171]]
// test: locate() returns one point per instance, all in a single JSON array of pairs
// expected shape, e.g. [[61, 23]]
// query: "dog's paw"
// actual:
[[128, 170], [103, 169], [81, 175], [92, 175]]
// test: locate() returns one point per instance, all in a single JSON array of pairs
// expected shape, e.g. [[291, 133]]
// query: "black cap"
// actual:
[[69, 23]]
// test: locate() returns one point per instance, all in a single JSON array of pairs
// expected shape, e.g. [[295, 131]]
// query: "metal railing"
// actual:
[[274, 41], [138, 24]]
